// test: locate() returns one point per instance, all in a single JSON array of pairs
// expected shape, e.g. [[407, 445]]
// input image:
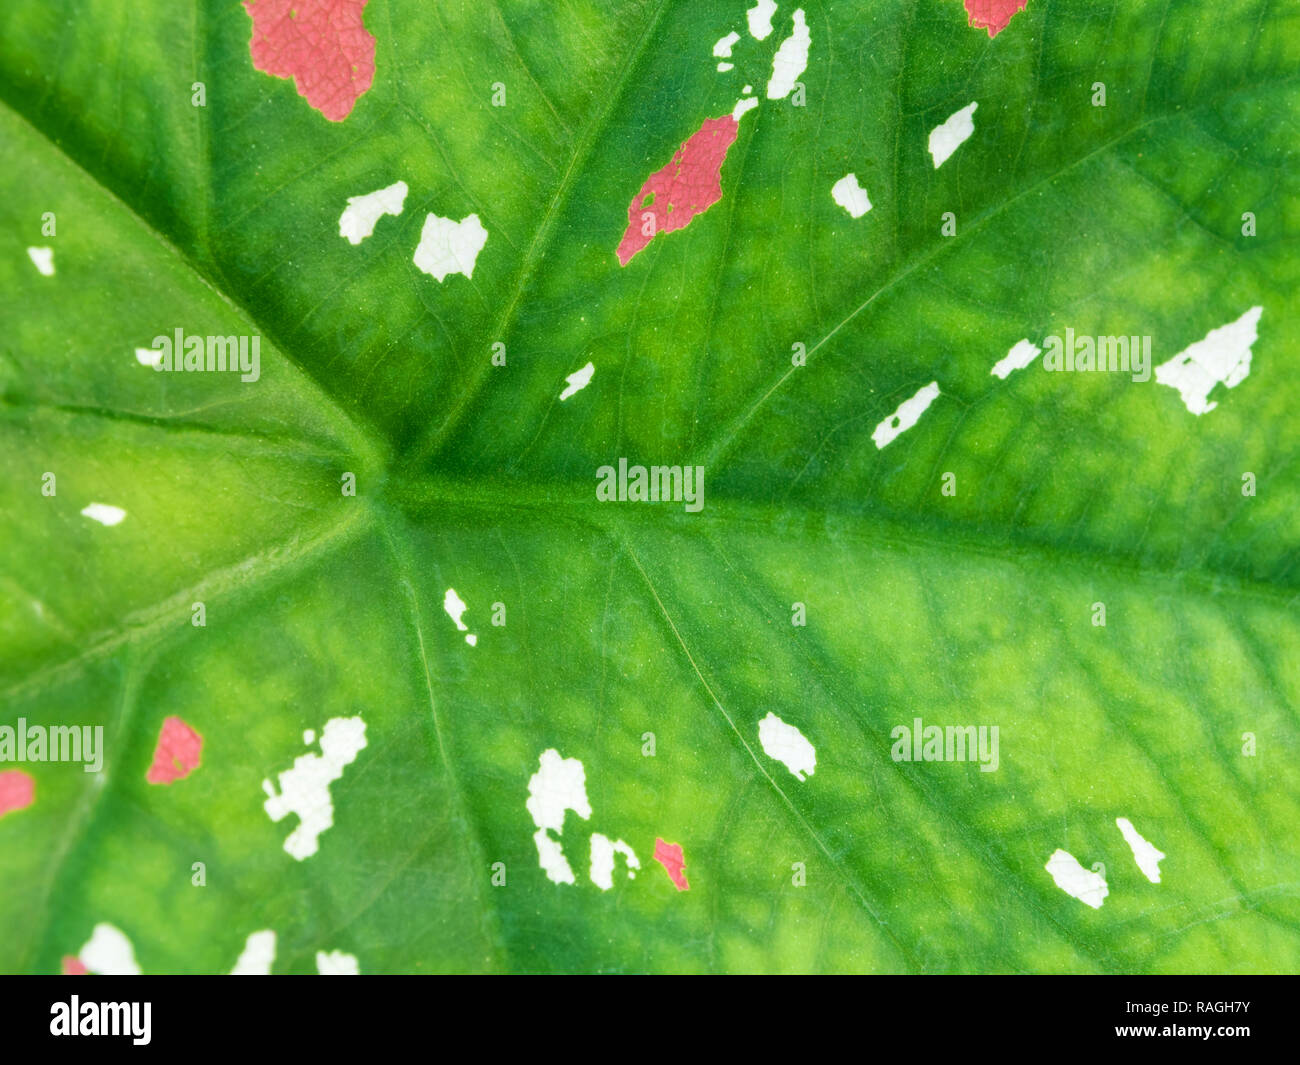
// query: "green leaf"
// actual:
[[621, 619]]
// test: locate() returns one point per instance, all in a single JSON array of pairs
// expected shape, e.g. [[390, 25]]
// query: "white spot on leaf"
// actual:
[[908, 414], [578, 380], [787, 745], [104, 513], [362, 212], [455, 608], [337, 963], [791, 59], [109, 953], [448, 247], [1222, 357], [759, 18], [551, 858], [1020, 356], [1148, 858], [559, 785], [947, 138], [851, 196], [603, 850], [258, 955], [722, 50], [305, 789], [43, 260], [1072, 878]]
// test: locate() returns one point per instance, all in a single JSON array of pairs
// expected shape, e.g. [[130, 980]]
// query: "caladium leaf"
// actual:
[[394, 669]]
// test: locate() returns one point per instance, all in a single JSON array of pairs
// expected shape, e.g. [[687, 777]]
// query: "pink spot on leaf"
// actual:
[[177, 753], [17, 791], [690, 184], [992, 15], [74, 966], [321, 44], [669, 855]]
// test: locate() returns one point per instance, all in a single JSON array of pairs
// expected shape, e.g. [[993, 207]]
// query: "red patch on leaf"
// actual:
[[17, 791], [73, 966], [321, 44], [177, 753], [689, 185], [992, 15], [670, 856]]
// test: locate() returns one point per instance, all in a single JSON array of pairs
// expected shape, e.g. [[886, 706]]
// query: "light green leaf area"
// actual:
[[621, 619]]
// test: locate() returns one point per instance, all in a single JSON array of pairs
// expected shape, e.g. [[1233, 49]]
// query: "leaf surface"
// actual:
[[623, 619]]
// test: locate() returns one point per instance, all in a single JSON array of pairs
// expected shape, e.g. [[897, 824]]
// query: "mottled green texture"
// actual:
[[626, 619]]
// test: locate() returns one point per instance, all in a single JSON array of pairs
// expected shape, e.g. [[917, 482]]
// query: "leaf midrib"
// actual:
[[575, 504], [576, 501]]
